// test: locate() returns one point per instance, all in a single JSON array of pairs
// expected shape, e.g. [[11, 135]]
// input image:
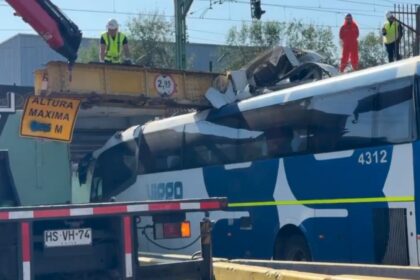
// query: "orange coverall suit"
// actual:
[[349, 33]]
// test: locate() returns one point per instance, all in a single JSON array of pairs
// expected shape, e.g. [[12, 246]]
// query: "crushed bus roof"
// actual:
[[380, 74]]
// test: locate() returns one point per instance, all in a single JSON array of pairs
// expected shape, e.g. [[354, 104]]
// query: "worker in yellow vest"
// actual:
[[113, 44], [392, 32]]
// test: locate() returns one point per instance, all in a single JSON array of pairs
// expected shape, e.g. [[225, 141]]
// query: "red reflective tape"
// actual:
[[110, 209], [165, 206], [210, 205], [127, 235], [51, 213], [26, 247], [4, 215]]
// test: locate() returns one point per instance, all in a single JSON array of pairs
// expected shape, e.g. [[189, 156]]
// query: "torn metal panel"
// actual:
[[286, 63], [239, 79], [275, 69], [218, 98]]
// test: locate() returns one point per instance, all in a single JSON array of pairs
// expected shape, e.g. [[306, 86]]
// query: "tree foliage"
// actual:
[[249, 40], [311, 37], [152, 40], [371, 51], [244, 44], [89, 53]]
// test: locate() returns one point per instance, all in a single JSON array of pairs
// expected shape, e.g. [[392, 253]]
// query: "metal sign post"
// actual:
[[417, 46], [181, 9]]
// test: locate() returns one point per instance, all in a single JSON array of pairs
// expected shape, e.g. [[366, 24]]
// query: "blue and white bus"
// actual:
[[325, 171]]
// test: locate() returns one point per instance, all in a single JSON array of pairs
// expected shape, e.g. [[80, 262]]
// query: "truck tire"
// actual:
[[295, 248]]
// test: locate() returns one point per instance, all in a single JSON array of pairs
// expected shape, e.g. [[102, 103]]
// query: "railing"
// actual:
[[409, 17]]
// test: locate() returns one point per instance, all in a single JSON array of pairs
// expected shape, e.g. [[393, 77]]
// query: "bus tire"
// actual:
[[294, 248]]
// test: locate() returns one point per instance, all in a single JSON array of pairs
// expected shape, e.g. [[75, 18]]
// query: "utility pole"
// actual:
[[181, 10], [417, 42]]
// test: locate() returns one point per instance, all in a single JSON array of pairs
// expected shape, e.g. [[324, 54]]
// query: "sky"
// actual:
[[209, 20]]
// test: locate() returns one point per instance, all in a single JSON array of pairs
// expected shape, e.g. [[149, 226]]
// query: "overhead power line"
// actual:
[[242, 2], [314, 8], [294, 7], [366, 3], [194, 18]]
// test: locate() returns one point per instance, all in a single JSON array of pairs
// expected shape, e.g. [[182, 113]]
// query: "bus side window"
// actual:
[[300, 140], [373, 115], [279, 141], [253, 149], [323, 139], [203, 150], [283, 127], [145, 161], [340, 121], [160, 151], [394, 118]]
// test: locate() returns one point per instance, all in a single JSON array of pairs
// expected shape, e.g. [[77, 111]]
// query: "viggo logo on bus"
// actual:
[[165, 191]]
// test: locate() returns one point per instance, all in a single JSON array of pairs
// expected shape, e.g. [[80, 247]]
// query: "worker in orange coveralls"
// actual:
[[349, 33]]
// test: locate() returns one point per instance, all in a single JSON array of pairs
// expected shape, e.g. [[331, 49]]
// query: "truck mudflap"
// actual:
[[86, 241], [58, 31]]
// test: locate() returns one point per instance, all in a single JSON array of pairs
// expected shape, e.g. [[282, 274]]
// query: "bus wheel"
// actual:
[[295, 248]]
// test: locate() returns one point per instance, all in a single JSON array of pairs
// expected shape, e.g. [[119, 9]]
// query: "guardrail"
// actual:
[[266, 270], [406, 272]]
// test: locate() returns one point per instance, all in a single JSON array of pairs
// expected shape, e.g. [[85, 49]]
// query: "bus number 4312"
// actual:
[[367, 158]]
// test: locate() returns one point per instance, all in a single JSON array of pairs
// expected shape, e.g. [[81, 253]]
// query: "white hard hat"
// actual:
[[389, 15], [112, 24]]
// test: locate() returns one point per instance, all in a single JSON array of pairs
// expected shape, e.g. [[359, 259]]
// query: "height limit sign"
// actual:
[[49, 118], [165, 85]]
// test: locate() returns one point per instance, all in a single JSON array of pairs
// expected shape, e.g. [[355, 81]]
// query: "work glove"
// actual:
[[127, 62]]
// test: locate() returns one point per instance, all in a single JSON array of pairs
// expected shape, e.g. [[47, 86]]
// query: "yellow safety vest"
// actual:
[[391, 32], [113, 46]]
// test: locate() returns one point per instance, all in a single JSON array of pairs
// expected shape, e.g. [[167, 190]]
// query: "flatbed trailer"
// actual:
[[94, 241]]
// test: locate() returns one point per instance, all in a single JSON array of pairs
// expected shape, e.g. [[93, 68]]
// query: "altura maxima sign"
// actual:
[[51, 118]]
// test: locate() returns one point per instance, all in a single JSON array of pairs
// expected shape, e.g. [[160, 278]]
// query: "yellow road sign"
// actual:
[[50, 118]]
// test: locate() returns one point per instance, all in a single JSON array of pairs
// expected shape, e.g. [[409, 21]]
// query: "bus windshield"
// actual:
[[113, 170]]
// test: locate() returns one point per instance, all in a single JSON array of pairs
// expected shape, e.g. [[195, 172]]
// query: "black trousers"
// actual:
[[393, 51]]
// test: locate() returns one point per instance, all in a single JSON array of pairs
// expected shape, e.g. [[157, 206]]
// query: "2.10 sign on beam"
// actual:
[[50, 118]]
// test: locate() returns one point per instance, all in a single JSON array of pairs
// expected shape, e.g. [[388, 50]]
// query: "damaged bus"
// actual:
[[325, 171]]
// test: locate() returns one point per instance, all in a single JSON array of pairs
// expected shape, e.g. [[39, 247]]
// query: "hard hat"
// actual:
[[389, 15], [112, 24]]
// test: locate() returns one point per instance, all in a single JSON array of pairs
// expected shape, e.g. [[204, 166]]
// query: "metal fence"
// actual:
[[409, 17]]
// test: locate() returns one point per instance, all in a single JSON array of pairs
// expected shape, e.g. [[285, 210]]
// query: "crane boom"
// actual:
[[56, 29]]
